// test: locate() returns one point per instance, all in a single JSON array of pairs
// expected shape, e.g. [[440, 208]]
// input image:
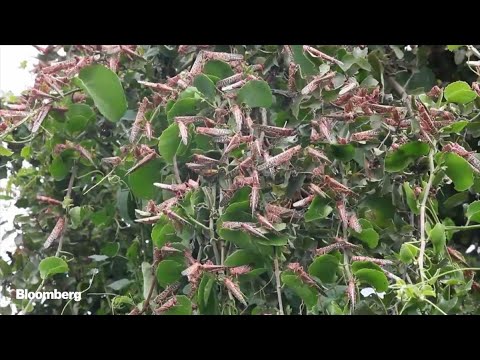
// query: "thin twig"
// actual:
[[279, 289], [69, 193], [31, 300], [459, 228], [423, 204], [150, 292]]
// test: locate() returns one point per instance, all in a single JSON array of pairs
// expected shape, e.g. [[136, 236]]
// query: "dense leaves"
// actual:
[[245, 180]]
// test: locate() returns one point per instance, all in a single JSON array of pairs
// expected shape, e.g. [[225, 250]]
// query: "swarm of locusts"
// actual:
[[249, 151]]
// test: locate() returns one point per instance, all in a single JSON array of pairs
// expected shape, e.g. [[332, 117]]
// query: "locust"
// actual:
[[266, 224], [48, 200], [365, 135], [335, 186], [157, 86], [280, 158], [317, 53], [381, 262], [334, 246], [56, 232], [234, 290], [318, 155], [274, 130]]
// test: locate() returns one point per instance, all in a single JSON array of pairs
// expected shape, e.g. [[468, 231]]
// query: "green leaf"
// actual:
[[459, 92], [411, 198], [205, 86], [119, 301], [455, 128], [5, 269], [307, 67], [359, 265], [421, 80], [324, 267], [473, 211], [459, 170], [106, 90], [133, 250], [379, 210], [205, 299], [374, 278], [76, 216], [58, 169], [164, 232], [305, 292], [26, 151], [318, 209], [169, 142], [438, 238], [110, 249], [240, 195], [183, 107], [190, 93], [218, 68], [125, 205], [449, 222], [408, 253], [453, 47], [142, 179], [51, 266], [238, 258], [368, 235], [78, 116], [456, 200], [256, 93], [343, 152], [405, 155], [238, 211], [169, 271], [5, 152], [182, 307], [202, 300], [239, 238], [273, 240]]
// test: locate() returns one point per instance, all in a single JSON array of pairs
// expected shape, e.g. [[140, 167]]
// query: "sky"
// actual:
[[15, 79], [12, 79]]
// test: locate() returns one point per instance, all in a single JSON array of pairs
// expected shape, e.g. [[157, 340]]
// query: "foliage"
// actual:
[[246, 180]]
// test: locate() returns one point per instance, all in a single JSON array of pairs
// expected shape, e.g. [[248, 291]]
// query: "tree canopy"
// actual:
[[245, 179]]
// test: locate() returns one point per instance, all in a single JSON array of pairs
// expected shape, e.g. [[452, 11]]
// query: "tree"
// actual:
[[246, 180]]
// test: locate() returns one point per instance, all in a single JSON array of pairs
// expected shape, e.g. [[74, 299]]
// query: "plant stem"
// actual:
[[150, 292], [68, 93], [435, 306], [98, 183], [31, 300], [191, 218], [422, 214], [466, 227], [69, 193], [277, 280]]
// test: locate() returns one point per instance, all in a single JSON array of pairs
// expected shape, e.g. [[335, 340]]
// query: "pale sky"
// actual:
[[12, 77]]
